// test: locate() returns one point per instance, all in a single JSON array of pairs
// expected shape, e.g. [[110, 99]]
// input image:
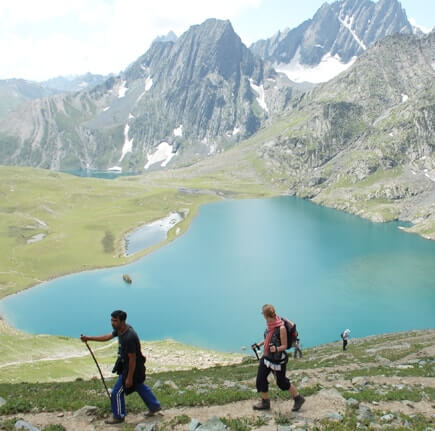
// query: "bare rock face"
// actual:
[[343, 29], [189, 97], [367, 137]]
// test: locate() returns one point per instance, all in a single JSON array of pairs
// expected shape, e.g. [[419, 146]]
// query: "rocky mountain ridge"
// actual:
[[192, 98], [65, 84], [362, 142], [367, 136], [16, 92], [322, 47]]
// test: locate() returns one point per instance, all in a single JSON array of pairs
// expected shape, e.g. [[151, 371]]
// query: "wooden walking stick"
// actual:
[[99, 369]]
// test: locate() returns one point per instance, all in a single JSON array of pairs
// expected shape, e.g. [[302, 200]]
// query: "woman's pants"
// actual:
[[281, 380]]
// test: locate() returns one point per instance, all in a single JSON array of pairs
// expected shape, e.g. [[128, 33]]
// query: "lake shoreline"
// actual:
[[165, 222], [121, 249], [183, 226], [295, 207]]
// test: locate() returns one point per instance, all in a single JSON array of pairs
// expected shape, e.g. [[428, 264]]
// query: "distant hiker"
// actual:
[[297, 349], [274, 359], [130, 367], [345, 335]]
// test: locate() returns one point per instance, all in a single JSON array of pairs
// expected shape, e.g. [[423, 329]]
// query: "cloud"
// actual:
[[48, 38]]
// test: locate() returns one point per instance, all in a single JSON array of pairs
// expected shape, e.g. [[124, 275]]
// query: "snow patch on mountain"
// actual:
[[259, 89], [329, 67], [178, 131], [413, 22], [148, 83], [115, 169], [163, 154], [348, 23], [212, 149], [122, 89], [128, 144]]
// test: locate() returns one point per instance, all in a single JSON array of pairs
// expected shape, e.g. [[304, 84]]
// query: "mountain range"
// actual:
[[192, 98], [321, 47], [189, 97], [16, 92], [365, 136]]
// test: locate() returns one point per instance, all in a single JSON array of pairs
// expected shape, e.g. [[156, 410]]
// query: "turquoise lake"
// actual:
[[322, 268]]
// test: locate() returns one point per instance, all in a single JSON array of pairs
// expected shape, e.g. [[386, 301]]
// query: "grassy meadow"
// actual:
[[84, 220], [403, 385]]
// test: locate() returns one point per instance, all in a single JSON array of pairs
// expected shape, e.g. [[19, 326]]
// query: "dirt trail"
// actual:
[[416, 354]]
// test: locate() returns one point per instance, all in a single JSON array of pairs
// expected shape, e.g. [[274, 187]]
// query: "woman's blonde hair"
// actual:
[[269, 310]]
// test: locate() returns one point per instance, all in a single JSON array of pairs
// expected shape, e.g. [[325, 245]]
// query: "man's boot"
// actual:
[[299, 400], [114, 420], [262, 405]]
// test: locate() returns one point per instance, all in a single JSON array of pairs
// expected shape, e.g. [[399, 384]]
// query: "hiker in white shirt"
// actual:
[[345, 335]]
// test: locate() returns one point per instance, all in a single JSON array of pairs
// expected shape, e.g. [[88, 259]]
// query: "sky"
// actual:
[[47, 38]]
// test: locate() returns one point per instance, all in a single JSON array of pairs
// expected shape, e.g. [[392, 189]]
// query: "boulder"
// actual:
[[352, 402], [88, 412], [333, 416], [23, 425], [171, 384], [146, 427], [364, 413], [387, 418], [194, 424], [360, 381], [213, 424], [331, 394]]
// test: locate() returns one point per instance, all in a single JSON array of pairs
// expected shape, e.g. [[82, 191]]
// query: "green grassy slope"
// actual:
[[84, 220], [388, 372]]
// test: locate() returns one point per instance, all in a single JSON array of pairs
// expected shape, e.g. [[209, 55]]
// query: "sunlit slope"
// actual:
[[84, 220], [46, 358]]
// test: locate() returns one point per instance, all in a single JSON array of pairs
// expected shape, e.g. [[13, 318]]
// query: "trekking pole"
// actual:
[[254, 348], [99, 369]]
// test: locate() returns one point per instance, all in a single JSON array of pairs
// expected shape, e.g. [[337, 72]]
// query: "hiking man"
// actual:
[[345, 335], [130, 367], [298, 350], [274, 359]]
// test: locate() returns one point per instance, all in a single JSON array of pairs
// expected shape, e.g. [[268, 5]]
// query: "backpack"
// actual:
[[292, 333]]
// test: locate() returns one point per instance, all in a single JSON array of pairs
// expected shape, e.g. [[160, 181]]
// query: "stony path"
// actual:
[[327, 401]]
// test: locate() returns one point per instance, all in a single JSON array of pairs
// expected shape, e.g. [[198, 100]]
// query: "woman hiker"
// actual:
[[274, 359]]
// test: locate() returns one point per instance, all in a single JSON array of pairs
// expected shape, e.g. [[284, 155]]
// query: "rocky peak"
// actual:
[[336, 35], [210, 47], [170, 37]]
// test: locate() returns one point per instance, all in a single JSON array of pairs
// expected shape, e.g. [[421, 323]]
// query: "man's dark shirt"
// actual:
[[129, 343]]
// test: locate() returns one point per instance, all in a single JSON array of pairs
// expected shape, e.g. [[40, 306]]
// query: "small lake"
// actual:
[[152, 233], [322, 268]]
